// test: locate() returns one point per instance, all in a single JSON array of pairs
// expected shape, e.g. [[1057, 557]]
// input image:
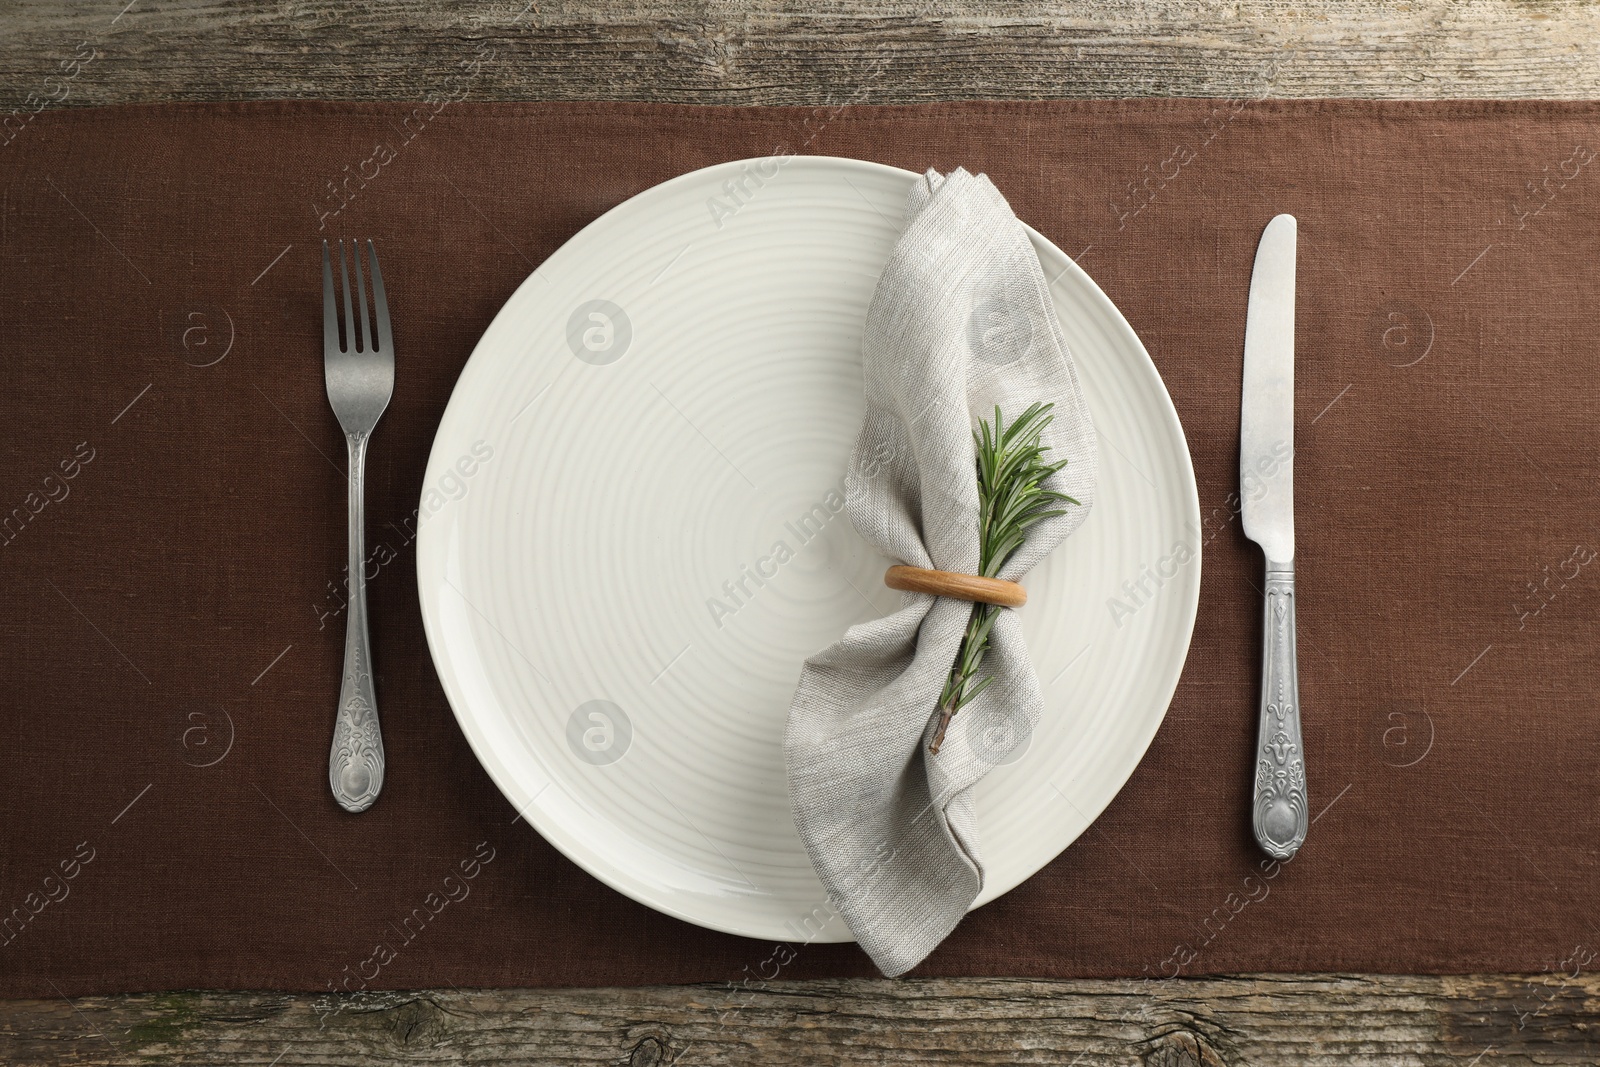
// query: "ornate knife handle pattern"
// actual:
[[1279, 814], [355, 766]]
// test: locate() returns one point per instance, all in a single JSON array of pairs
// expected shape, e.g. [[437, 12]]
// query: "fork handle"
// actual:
[[1280, 808], [355, 767]]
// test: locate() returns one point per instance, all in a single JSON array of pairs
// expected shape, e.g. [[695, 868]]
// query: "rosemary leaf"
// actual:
[[1011, 498]]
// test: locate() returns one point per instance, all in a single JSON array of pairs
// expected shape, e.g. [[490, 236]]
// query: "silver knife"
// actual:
[[1266, 491]]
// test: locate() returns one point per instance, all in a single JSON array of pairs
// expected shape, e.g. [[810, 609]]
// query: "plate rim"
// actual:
[[507, 782]]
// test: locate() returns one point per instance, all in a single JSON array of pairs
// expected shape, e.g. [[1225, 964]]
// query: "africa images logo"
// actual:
[[599, 332], [599, 732]]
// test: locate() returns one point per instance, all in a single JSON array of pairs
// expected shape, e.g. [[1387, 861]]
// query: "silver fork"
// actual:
[[360, 378]]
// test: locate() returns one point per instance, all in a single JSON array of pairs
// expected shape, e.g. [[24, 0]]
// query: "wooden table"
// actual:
[[761, 52]]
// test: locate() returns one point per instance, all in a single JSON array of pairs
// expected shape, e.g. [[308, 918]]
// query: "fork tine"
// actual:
[[380, 301], [330, 310], [361, 295], [352, 342]]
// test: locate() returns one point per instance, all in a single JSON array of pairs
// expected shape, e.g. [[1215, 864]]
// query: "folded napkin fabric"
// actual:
[[961, 322]]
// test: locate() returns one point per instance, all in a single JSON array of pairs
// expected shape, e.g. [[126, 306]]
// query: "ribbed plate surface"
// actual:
[[662, 404]]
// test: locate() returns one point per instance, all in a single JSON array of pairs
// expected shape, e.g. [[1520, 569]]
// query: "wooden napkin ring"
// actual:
[[957, 586]]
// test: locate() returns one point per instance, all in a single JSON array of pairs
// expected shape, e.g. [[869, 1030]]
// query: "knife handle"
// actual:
[[1279, 813]]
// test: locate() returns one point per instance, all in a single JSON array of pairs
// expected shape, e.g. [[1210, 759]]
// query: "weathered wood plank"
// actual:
[[767, 52], [763, 52], [1352, 1021]]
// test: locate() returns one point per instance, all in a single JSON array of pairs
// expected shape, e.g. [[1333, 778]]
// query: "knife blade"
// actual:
[[1266, 491]]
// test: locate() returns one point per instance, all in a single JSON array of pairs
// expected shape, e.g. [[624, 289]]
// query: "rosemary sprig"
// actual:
[[1011, 498]]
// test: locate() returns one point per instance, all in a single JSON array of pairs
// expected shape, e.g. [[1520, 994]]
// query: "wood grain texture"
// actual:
[[1217, 1022], [767, 52], [761, 52], [971, 587]]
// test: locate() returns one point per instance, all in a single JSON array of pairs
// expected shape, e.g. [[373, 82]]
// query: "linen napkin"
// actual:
[[961, 321]]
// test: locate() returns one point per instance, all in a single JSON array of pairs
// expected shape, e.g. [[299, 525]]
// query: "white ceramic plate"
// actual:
[[648, 417]]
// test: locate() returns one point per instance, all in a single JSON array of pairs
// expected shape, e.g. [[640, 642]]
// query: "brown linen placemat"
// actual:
[[171, 480]]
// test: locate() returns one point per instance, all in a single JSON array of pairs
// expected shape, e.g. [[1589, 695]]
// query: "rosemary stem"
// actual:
[[955, 688], [1011, 471]]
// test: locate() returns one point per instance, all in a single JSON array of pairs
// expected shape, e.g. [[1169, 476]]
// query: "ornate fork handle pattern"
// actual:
[[355, 767], [1279, 814]]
